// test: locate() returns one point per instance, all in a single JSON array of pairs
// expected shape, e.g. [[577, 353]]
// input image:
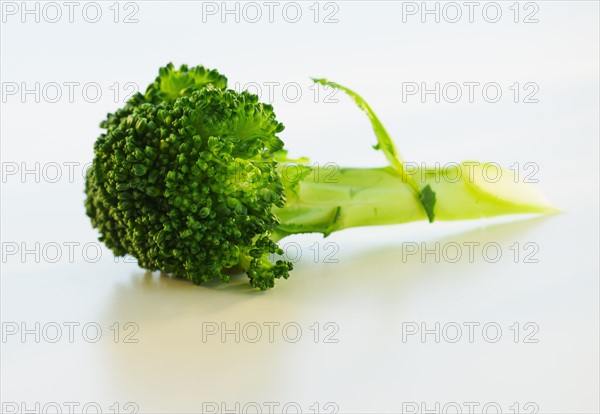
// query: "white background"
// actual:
[[374, 291]]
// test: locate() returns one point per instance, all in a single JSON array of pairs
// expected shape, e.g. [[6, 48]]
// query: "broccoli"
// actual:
[[192, 179]]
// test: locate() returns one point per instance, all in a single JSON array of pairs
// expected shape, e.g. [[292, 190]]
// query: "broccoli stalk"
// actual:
[[325, 200], [356, 197], [191, 178]]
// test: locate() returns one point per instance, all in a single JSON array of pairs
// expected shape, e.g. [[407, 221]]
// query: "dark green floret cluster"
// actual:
[[184, 179]]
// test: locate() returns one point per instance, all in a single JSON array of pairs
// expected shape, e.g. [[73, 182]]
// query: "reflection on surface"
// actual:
[[365, 295]]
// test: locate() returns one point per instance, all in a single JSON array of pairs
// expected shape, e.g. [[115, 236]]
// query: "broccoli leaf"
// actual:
[[386, 144], [427, 198]]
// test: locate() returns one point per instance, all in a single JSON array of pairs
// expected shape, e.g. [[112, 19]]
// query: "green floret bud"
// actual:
[[185, 180]]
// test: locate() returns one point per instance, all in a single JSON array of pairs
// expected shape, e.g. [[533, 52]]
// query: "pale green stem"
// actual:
[[356, 197]]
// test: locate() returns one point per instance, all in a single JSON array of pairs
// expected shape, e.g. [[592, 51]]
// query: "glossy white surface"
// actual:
[[364, 359]]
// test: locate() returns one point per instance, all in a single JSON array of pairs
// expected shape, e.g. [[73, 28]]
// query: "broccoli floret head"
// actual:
[[184, 179]]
